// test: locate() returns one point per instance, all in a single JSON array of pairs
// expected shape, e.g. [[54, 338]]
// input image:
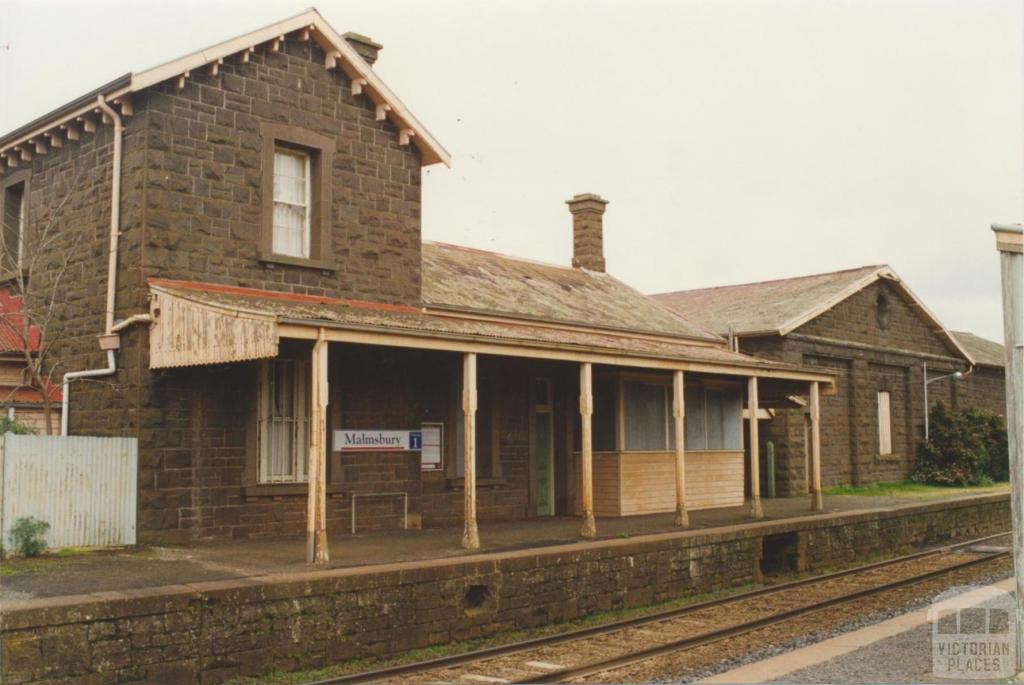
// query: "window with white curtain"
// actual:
[[714, 419], [292, 203], [283, 420]]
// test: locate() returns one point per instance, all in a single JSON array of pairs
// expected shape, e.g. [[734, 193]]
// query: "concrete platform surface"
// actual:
[[898, 650], [66, 574]]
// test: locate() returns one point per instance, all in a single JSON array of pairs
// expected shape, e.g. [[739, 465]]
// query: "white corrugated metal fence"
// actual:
[[84, 487]]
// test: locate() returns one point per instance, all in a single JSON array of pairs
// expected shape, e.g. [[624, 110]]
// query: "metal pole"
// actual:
[[926, 400], [1010, 243]]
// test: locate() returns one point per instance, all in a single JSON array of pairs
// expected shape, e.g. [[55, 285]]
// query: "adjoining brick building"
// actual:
[[288, 351], [866, 326]]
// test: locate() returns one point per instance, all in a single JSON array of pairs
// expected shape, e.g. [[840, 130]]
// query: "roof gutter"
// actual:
[[110, 340]]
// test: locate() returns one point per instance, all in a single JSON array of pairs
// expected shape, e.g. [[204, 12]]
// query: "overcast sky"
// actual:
[[735, 140]]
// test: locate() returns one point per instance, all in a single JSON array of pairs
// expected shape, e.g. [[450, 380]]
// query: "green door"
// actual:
[[543, 449]]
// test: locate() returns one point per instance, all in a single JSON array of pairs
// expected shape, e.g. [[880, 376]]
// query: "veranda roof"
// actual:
[[203, 323]]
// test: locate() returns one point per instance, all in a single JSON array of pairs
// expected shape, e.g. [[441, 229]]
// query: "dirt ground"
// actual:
[[73, 572]]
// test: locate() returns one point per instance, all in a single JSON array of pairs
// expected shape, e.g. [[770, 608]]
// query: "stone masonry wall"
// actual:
[[851, 341], [210, 632]]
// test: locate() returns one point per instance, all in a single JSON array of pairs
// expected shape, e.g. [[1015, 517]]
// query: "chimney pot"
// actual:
[[366, 47], [587, 211]]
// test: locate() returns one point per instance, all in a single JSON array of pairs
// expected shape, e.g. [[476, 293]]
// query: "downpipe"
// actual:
[[115, 234]]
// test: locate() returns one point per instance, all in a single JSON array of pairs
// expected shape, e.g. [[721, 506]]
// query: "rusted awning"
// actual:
[[185, 332]]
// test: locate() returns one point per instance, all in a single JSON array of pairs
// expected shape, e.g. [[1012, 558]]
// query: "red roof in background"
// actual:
[[23, 395], [11, 322]]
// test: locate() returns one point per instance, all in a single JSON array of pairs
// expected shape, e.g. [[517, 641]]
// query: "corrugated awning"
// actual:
[[185, 332]]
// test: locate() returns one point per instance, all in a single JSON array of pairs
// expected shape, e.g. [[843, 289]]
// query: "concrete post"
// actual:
[[1010, 243], [471, 536], [589, 529]]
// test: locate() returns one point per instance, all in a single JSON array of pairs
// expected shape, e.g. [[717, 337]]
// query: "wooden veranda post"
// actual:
[[471, 535], [1010, 243], [678, 414], [816, 502], [589, 528], [316, 470], [755, 450]]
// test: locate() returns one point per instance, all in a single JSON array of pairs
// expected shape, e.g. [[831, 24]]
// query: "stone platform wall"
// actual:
[[210, 632]]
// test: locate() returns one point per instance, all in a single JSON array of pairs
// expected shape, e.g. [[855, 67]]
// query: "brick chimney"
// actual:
[[366, 48], [587, 231]]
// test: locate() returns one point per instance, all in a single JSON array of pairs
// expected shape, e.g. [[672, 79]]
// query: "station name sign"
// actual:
[[377, 440]]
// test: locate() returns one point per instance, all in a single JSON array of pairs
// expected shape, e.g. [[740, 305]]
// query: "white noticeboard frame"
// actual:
[[432, 450]]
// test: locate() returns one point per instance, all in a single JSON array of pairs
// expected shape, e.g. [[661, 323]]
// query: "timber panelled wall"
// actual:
[[869, 354]]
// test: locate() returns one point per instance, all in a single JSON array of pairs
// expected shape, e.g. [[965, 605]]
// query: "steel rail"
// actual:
[[739, 629], [391, 672]]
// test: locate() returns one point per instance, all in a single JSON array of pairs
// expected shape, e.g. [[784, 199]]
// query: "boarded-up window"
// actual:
[[884, 423], [14, 226], [283, 420]]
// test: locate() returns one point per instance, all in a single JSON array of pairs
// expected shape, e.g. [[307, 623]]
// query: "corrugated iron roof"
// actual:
[[765, 306], [388, 318], [12, 321], [462, 278], [983, 350]]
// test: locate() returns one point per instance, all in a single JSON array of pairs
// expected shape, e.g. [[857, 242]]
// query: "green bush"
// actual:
[[964, 448], [9, 425], [27, 536]]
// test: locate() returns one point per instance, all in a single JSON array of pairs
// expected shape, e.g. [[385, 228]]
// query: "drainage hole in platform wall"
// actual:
[[780, 554], [476, 595]]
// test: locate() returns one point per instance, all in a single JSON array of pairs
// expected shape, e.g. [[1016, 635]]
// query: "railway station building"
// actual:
[[867, 327], [243, 286]]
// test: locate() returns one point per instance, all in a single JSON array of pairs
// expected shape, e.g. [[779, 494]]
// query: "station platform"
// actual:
[[104, 571], [218, 610]]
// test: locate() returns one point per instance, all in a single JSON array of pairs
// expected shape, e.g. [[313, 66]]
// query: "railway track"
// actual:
[[580, 653]]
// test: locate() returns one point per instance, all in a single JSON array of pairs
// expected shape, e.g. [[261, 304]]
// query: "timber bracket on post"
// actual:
[[756, 510], [678, 415], [316, 470], [817, 503], [471, 535], [589, 528]]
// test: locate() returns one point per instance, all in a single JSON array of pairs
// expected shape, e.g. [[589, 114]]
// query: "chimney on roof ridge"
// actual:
[[366, 48], [587, 231]]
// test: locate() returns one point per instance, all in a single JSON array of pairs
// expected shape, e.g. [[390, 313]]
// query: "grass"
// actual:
[[911, 489]]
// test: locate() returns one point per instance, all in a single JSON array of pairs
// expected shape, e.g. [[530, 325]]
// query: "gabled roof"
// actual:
[[37, 136], [984, 351], [459, 278], [778, 307]]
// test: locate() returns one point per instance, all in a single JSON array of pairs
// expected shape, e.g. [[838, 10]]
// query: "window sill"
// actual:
[[460, 483], [271, 259], [285, 489]]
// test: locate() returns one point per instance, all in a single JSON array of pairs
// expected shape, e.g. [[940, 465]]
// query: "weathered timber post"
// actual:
[[471, 536], [316, 470], [678, 413], [589, 529], [1010, 243], [755, 450], [817, 504]]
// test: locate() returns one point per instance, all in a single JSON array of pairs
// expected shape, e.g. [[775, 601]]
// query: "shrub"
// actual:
[[965, 448], [9, 425], [27, 536]]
